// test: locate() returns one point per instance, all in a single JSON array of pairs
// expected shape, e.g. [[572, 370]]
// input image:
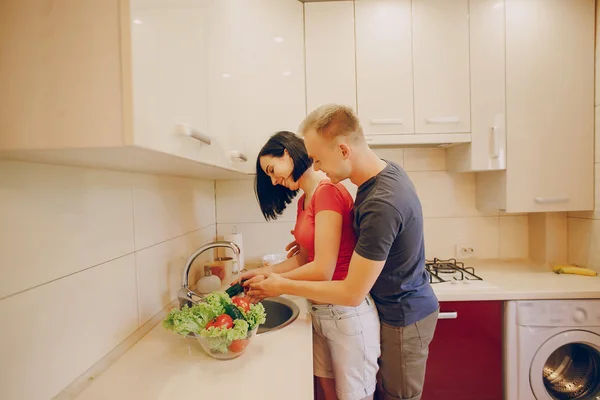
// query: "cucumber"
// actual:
[[234, 312], [234, 290]]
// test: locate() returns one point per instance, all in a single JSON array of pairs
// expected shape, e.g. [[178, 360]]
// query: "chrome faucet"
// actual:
[[185, 293]]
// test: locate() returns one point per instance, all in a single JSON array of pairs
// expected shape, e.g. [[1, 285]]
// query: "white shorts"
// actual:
[[346, 347]]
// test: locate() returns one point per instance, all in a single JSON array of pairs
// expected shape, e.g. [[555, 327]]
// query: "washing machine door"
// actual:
[[567, 367]]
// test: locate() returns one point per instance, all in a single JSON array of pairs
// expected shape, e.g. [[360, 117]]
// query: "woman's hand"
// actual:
[[293, 248], [265, 286], [248, 275]]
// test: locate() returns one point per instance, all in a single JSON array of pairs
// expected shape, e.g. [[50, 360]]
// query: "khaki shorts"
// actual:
[[404, 352], [346, 347]]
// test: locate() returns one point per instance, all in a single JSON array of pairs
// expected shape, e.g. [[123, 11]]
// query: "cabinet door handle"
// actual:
[[188, 130], [495, 153], [237, 156], [448, 315], [550, 200], [386, 121], [442, 120]]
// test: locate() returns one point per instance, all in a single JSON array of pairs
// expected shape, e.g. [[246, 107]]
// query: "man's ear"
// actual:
[[345, 150]]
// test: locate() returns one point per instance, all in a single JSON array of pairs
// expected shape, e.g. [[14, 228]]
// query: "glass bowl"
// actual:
[[215, 347]]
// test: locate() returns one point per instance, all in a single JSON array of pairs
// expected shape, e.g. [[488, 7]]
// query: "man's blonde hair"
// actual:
[[331, 121]]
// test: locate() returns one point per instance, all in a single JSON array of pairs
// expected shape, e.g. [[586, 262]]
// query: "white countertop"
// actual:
[[518, 280], [164, 366], [278, 365]]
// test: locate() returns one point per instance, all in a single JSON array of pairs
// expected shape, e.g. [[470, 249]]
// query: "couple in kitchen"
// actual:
[[361, 264]]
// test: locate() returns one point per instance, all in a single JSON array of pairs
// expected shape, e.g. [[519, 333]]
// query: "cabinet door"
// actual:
[[60, 75], [441, 66], [384, 66], [256, 72], [488, 102], [550, 105], [465, 356], [330, 56], [169, 78]]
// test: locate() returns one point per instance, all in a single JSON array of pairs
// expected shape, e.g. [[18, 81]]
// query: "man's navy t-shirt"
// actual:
[[388, 220]]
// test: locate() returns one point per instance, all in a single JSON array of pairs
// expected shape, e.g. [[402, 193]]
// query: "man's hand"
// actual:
[[293, 248], [269, 286]]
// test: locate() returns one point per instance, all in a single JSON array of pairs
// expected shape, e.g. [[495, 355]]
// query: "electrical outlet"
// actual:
[[464, 251]]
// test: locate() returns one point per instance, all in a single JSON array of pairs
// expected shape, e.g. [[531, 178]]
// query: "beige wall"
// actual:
[[584, 227], [448, 205], [86, 257]]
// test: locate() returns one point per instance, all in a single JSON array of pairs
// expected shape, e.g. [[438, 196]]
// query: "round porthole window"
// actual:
[[572, 372]]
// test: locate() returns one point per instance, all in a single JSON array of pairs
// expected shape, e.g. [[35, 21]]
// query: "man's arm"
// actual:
[[379, 225]]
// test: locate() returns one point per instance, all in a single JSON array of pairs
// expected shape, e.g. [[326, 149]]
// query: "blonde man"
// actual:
[[389, 258]]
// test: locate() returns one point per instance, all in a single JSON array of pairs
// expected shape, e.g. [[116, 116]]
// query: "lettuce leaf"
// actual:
[[219, 339], [255, 316], [182, 321]]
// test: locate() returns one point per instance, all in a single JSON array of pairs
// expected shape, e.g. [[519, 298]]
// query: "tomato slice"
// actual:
[[241, 303], [238, 345]]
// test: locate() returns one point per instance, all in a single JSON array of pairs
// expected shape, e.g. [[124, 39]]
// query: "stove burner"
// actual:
[[459, 272]]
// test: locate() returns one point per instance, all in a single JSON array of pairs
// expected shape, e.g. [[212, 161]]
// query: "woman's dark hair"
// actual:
[[274, 198]]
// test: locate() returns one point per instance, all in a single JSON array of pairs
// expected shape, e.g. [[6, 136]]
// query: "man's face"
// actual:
[[328, 156]]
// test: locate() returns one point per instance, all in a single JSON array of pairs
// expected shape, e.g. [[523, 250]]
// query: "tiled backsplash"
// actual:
[[448, 205], [87, 257]]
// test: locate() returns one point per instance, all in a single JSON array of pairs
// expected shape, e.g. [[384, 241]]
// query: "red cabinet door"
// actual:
[[465, 356]]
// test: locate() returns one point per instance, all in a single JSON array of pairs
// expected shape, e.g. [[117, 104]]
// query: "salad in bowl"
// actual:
[[222, 324]]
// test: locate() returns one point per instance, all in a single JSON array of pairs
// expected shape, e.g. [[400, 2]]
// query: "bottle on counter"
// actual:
[[208, 283]]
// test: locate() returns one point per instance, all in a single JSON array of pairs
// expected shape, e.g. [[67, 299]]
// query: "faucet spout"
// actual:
[[185, 293]]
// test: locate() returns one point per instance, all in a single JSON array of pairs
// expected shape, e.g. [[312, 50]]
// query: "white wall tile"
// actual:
[[53, 333], [168, 207], [59, 220], [425, 159], [514, 237], [584, 242], [444, 194], [391, 154], [159, 270], [261, 238], [443, 234], [236, 203]]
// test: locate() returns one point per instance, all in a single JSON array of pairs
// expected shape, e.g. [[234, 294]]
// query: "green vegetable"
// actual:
[[183, 321], [234, 312], [234, 290], [220, 339], [255, 316]]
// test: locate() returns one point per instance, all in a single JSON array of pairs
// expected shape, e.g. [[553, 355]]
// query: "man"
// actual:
[[389, 258]]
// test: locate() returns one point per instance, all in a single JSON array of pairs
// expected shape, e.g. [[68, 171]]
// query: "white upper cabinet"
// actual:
[[384, 66], [441, 66], [487, 150], [330, 54], [549, 108], [256, 72]]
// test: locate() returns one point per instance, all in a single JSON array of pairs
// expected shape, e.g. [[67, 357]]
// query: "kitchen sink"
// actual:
[[280, 313]]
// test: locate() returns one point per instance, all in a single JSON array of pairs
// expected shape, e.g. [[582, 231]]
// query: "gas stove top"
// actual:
[[450, 271]]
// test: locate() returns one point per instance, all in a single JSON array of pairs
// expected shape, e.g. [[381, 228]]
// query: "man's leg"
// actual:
[[404, 352]]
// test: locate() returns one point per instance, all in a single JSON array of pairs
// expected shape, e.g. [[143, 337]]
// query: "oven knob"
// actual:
[[579, 315]]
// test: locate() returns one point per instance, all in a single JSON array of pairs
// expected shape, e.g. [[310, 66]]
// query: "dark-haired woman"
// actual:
[[345, 339]]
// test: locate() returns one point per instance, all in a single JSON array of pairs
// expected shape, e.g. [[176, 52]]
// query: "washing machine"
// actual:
[[552, 350]]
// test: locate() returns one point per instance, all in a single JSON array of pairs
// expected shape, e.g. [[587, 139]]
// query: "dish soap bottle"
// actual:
[[208, 283]]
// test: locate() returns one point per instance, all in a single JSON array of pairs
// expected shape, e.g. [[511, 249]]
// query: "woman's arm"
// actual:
[[281, 268], [328, 235]]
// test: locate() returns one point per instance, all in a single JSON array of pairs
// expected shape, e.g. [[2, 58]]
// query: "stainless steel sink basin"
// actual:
[[280, 313]]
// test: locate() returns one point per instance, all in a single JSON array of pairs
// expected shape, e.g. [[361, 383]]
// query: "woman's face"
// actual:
[[279, 169]]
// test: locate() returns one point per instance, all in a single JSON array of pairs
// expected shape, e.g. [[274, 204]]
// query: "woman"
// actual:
[[345, 339]]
